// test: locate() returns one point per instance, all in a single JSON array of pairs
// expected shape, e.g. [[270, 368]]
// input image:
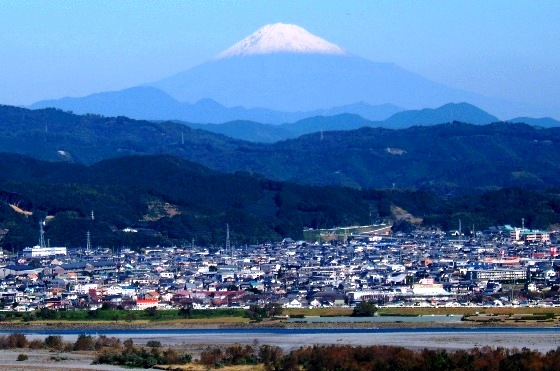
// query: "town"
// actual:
[[499, 266]]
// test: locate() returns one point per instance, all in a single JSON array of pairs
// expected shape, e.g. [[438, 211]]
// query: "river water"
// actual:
[[542, 339]]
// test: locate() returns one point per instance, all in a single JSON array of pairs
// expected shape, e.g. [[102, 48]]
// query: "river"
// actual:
[[542, 339]]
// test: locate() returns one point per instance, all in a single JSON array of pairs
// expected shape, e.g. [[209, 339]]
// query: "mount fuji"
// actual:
[[281, 38], [283, 68]]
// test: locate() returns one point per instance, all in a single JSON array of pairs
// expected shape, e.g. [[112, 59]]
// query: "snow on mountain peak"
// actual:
[[281, 38]]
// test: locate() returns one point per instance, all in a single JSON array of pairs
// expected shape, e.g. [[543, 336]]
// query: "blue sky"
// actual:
[[51, 49]]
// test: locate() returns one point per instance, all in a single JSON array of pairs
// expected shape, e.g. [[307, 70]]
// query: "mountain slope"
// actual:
[[303, 82], [463, 112], [174, 199], [54, 135], [545, 122], [450, 157], [170, 201]]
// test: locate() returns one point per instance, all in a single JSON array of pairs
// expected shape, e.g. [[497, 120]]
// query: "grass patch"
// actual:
[[58, 358], [22, 357]]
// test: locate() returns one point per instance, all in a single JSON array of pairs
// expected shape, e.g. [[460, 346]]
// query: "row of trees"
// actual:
[[379, 357]]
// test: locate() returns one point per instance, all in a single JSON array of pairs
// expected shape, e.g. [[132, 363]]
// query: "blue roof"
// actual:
[[19, 267]]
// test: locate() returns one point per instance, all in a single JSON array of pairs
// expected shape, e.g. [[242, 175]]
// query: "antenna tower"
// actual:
[[228, 244], [41, 234], [88, 243]]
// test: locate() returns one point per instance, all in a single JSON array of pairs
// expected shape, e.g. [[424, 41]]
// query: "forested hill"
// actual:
[[173, 201], [53, 135], [449, 158]]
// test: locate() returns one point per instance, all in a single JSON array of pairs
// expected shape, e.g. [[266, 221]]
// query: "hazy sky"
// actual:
[[51, 49]]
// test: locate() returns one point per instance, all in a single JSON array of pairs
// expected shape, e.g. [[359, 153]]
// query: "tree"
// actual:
[[255, 313], [270, 356], [364, 309], [128, 345], [84, 342], [273, 309], [186, 311], [151, 311]]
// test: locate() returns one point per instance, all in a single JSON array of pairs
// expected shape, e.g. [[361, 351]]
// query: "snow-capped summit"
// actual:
[[281, 38]]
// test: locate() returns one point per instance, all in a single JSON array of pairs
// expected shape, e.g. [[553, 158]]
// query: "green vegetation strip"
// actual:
[[115, 315]]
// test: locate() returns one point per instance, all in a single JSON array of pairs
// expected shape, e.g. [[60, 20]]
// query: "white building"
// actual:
[[39, 252], [528, 235]]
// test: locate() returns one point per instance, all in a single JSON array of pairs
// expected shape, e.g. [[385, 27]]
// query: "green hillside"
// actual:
[[449, 159], [173, 201]]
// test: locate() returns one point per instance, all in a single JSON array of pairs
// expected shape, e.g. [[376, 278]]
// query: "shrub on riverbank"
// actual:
[[233, 355], [140, 357], [14, 340]]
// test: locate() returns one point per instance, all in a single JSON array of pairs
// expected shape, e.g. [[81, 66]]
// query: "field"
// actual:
[[325, 235]]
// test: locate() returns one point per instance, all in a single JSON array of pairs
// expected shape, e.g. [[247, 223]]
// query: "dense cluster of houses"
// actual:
[[500, 265]]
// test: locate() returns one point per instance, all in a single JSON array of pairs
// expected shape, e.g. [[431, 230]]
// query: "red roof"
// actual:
[[146, 301]]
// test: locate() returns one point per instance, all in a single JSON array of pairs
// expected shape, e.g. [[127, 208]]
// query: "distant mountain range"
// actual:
[[256, 132], [452, 157], [262, 125], [148, 103]]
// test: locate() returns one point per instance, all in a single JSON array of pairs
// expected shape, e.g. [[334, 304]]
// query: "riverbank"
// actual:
[[43, 359], [479, 321], [510, 316], [196, 341]]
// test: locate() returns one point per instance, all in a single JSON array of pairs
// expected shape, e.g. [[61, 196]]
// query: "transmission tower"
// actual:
[[88, 243], [228, 244]]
